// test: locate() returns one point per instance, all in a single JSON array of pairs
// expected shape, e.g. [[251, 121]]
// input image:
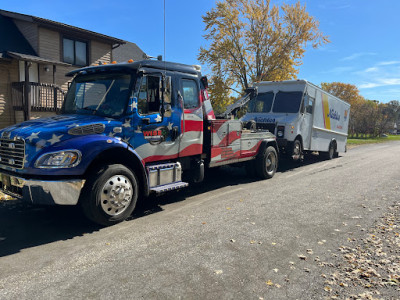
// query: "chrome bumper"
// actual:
[[48, 192]]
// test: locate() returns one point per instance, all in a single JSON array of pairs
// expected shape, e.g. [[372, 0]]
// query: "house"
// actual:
[[35, 55]]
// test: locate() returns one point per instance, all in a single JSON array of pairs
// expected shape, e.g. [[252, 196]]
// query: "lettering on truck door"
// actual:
[[155, 136]]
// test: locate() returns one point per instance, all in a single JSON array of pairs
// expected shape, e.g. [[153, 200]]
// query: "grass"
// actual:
[[372, 140]]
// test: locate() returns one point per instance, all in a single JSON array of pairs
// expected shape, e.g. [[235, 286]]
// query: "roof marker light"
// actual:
[[114, 62], [130, 61]]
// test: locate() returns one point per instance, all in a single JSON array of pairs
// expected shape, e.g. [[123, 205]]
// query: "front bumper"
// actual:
[[48, 192]]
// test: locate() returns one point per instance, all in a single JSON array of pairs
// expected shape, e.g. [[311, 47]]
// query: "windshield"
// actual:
[[261, 103], [287, 102], [98, 94]]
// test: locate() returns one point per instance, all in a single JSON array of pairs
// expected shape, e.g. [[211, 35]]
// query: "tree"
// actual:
[[252, 40]]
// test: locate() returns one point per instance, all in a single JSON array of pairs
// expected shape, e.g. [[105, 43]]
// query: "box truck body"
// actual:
[[301, 114]]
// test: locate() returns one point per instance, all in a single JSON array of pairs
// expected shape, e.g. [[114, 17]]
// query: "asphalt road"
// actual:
[[230, 238]]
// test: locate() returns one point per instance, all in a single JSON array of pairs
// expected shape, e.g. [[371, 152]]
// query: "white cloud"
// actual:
[[388, 63], [357, 55], [380, 82]]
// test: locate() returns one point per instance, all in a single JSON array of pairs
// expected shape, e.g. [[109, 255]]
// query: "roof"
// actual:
[[34, 58], [11, 39], [127, 51], [61, 26], [149, 64]]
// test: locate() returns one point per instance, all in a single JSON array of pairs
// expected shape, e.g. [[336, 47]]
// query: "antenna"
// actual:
[[165, 64]]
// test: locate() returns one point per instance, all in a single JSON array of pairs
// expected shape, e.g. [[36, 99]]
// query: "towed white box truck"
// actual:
[[303, 117]]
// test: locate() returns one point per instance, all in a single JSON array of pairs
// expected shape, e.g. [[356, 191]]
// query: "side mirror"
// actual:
[[252, 91], [204, 81], [166, 89]]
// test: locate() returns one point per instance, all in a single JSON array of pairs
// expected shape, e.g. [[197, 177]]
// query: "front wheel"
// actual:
[[267, 163], [110, 195]]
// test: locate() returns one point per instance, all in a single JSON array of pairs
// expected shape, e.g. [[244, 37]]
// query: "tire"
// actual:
[[110, 195], [296, 154], [267, 163], [331, 152]]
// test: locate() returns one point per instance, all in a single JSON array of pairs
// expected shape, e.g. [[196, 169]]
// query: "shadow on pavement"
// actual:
[[24, 226]]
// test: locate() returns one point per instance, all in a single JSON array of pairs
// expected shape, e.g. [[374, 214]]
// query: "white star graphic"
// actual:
[[111, 134], [133, 105], [126, 124], [158, 119], [72, 125], [26, 160], [170, 125], [126, 139], [138, 129], [54, 139], [40, 144], [33, 136]]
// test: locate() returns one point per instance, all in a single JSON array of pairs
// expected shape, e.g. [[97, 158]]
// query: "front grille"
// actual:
[[12, 153], [267, 126], [87, 129]]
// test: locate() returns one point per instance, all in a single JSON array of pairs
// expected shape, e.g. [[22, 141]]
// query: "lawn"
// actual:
[[372, 140]]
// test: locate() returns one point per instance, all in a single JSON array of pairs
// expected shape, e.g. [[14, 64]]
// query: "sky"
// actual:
[[364, 34]]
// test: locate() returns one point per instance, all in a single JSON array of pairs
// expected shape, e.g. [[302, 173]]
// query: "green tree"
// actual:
[[252, 40]]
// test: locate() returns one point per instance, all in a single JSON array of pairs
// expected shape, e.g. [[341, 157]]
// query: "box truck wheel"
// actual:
[[110, 194], [331, 151], [267, 163], [297, 153]]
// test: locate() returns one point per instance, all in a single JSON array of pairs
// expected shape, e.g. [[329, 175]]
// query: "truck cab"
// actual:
[[126, 130]]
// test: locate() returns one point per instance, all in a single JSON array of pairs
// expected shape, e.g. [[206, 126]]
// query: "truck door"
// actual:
[[156, 136], [191, 141], [307, 120]]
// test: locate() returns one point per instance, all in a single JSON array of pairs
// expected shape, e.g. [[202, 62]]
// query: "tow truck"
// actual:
[[125, 131]]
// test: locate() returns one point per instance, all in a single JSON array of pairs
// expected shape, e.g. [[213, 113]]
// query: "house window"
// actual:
[[75, 52]]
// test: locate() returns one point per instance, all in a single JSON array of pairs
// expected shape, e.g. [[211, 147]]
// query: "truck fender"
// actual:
[[265, 144], [126, 156]]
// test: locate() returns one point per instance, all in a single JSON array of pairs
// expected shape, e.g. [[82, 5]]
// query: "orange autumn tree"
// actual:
[[253, 40]]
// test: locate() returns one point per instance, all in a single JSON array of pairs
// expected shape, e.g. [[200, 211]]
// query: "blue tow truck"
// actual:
[[126, 130]]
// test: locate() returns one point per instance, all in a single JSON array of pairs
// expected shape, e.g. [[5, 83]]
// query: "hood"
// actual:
[[45, 128], [271, 117]]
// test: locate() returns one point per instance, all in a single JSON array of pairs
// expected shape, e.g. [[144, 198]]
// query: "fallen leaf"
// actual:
[[327, 288], [278, 285], [218, 272], [273, 244], [301, 256], [232, 240], [309, 251], [228, 208], [269, 282], [276, 270]]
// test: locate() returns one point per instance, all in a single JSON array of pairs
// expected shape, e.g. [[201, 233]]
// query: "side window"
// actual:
[[310, 104], [190, 93], [148, 95]]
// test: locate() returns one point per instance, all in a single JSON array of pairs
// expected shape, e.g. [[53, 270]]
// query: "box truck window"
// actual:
[[262, 103], [287, 102]]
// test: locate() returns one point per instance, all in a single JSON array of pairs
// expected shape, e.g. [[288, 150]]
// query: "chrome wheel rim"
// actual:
[[270, 162], [116, 195], [296, 151]]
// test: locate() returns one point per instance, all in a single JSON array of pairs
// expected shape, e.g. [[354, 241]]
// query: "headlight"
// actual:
[[60, 159]]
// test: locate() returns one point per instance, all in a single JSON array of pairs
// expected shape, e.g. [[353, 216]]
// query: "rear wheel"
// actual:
[[110, 195], [267, 163], [331, 152]]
